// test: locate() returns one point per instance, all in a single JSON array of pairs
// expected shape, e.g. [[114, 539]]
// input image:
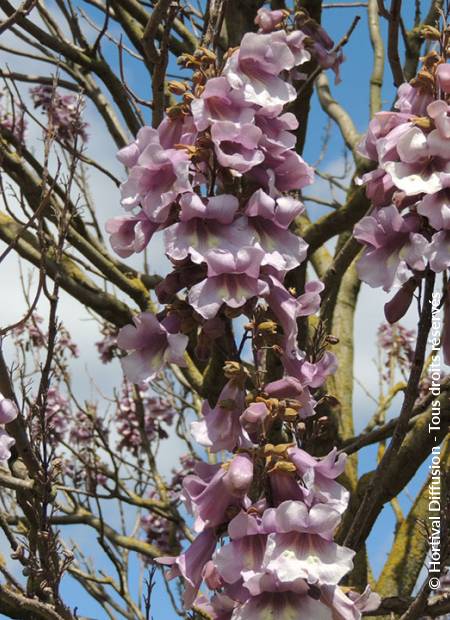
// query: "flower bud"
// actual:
[[239, 475], [398, 306], [443, 77], [177, 88], [430, 32], [268, 327]]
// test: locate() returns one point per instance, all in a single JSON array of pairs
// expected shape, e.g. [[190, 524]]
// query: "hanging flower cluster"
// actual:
[[408, 231], [215, 176], [8, 413]]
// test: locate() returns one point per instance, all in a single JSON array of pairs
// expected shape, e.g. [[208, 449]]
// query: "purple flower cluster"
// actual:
[[86, 426], [64, 113], [131, 425], [8, 413], [215, 176], [409, 228], [57, 416], [31, 334], [185, 176], [277, 558], [161, 531], [397, 344]]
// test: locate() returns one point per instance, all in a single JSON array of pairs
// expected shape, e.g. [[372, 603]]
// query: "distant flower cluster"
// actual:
[[140, 415], [64, 113]]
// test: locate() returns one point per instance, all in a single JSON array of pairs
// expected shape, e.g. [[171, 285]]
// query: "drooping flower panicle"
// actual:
[[220, 178]]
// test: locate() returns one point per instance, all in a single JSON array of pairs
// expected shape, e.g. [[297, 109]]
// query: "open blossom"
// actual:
[[390, 239], [270, 220], [157, 176], [231, 280], [204, 234], [130, 234], [255, 67], [152, 345], [237, 146], [214, 490], [220, 102]]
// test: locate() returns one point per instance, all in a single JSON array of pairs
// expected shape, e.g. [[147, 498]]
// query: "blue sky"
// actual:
[[353, 94]]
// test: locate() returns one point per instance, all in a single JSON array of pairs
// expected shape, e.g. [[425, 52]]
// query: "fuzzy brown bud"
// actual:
[[177, 88]]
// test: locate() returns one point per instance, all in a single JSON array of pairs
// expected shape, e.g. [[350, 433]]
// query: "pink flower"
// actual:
[[221, 208], [319, 476], [180, 130], [237, 146], [438, 111], [255, 67], [294, 559], [203, 236], [419, 163], [270, 220], [220, 428], [191, 563], [157, 176], [412, 100], [276, 130], [253, 418], [130, 234], [152, 346], [220, 102], [390, 239], [436, 207], [283, 172], [313, 374], [283, 605], [232, 280], [244, 552], [292, 388], [381, 126], [213, 491]]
